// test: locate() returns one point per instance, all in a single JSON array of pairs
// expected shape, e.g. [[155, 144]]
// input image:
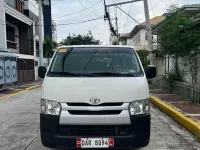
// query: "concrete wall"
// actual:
[[160, 66], [3, 43], [164, 65], [31, 5], [130, 41]]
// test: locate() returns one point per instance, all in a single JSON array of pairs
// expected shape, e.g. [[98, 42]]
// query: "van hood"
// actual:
[[81, 90]]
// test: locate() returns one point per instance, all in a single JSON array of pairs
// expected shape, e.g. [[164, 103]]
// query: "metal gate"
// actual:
[[25, 70], [8, 69]]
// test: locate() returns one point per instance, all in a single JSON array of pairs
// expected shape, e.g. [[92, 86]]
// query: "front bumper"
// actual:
[[51, 138]]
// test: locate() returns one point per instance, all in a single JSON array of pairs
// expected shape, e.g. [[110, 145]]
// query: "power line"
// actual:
[[107, 16], [77, 11], [86, 12], [80, 21], [164, 3], [159, 1], [88, 8], [128, 15], [153, 11], [69, 23]]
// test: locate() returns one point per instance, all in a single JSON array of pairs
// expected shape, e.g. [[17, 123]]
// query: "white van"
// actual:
[[95, 97]]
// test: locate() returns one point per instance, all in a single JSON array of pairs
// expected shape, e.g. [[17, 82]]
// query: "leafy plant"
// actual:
[[179, 38], [173, 76], [48, 46], [79, 39], [143, 57]]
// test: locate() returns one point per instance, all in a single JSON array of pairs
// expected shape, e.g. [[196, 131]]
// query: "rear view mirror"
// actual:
[[42, 71], [151, 72]]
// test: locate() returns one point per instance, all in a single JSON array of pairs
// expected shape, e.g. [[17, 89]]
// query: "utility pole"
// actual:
[[149, 34], [117, 31], [40, 33], [148, 26]]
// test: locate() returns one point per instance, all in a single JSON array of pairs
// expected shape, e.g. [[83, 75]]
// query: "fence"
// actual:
[[182, 89]]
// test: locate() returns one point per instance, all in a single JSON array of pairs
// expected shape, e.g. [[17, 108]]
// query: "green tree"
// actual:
[[170, 37], [79, 39], [179, 38], [48, 46], [143, 57]]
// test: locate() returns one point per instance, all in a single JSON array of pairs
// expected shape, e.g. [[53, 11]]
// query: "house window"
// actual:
[[37, 48], [10, 33], [19, 5], [11, 3], [134, 41], [12, 37], [146, 38], [124, 42], [138, 38]]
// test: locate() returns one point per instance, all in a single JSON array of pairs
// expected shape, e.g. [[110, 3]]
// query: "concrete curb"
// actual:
[[32, 87], [21, 92], [190, 124]]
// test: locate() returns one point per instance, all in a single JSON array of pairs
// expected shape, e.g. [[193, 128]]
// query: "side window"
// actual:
[[57, 64]]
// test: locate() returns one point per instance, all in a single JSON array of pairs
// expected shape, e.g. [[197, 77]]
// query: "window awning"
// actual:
[[18, 15]]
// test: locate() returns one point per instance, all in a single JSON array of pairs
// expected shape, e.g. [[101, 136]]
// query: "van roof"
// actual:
[[124, 46]]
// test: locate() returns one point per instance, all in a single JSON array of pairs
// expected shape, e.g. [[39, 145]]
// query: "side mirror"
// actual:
[[151, 72], [42, 71]]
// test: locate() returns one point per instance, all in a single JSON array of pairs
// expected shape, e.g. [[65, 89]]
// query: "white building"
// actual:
[[19, 30], [54, 31], [138, 36]]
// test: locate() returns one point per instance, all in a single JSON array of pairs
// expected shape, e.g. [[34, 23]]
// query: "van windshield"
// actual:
[[95, 61]]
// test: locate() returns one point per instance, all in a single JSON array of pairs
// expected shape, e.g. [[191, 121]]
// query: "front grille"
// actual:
[[86, 104], [85, 112], [95, 130]]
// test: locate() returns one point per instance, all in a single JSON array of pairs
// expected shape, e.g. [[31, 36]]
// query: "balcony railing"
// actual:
[[12, 46], [17, 4]]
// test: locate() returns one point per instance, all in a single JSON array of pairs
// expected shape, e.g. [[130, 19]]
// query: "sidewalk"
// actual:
[[191, 110], [19, 88]]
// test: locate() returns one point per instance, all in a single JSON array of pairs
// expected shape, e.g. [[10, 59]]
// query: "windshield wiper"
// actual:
[[67, 74], [114, 74]]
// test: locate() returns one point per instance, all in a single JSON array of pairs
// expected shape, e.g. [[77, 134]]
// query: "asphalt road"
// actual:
[[19, 127]]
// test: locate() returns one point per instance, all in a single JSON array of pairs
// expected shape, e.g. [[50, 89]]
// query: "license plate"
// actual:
[[95, 142]]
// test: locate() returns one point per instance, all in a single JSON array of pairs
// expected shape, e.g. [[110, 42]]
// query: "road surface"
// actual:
[[19, 127]]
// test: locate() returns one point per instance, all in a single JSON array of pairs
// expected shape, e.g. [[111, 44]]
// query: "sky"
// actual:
[[62, 14]]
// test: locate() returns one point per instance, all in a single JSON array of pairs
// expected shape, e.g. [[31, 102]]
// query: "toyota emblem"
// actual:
[[95, 100]]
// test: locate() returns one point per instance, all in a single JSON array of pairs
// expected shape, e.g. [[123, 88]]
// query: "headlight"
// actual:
[[140, 107], [50, 107]]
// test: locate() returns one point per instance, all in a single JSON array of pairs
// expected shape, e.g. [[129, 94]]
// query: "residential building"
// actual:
[[138, 36], [126, 39], [18, 37], [19, 30], [54, 32]]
